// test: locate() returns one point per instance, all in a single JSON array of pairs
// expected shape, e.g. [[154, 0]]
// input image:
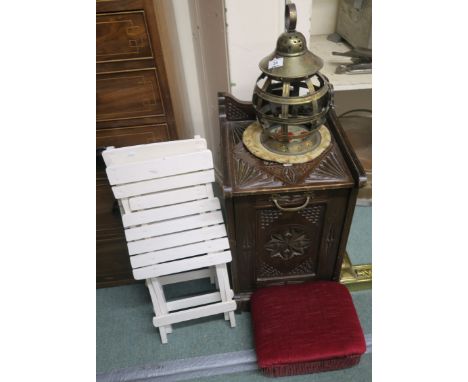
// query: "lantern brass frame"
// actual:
[[289, 118]]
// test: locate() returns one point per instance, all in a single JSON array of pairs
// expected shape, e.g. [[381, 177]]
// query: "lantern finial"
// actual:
[[290, 16]]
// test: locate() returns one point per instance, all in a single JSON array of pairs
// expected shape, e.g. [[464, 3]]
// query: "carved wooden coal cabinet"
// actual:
[[286, 223]]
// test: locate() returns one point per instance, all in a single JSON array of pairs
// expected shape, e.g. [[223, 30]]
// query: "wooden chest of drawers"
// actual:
[[286, 224], [133, 106]]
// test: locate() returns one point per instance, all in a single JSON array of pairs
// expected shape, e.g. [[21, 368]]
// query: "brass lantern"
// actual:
[[291, 100]]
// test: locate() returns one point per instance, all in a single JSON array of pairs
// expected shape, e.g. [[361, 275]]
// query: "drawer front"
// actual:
[[128, 95], [113, 264], [108, 220], [112, 259], [129, 136], [122, 36]]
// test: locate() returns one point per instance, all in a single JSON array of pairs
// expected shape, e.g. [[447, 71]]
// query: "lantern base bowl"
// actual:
[[263, 147]]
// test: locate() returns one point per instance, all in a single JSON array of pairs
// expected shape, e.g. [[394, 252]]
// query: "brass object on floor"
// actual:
[[355, 277], [291, 97]]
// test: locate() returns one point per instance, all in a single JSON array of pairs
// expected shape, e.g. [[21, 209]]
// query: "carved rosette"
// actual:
[[291, 242]]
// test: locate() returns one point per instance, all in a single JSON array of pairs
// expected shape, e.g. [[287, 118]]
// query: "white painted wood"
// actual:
[[170, 212], [156, 301], [184, 276], [181, 252], [158, 311], [185, 303], [124, 206], [169, 197], [163, 184], [193, 313], [181, 265], [220, 285], [161, 299], [161, 167], [225, 289], [140, 153], [209, 190], [176, 239], [174, 225], [213, 279]]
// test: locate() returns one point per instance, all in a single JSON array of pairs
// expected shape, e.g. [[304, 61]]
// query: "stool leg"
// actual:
[[161, 298], [225, 290], [214, 277], [157, 310]]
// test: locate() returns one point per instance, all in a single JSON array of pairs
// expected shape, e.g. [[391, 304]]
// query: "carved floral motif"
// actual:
[[291, 242], [329, 168], [245, 174]]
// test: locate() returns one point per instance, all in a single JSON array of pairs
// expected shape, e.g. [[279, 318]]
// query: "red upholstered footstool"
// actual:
[[306, 328]]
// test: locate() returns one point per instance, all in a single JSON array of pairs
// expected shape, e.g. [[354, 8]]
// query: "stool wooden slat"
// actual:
[[173, 225]]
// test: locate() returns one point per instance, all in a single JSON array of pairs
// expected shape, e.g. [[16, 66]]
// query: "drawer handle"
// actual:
[[291, 209]]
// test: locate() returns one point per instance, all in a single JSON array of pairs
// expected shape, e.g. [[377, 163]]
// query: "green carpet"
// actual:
[[125, 335], [359, 373], [360, 237]]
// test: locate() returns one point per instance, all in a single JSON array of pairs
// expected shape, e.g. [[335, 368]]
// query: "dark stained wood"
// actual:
[[112, 261], [129, 136], [359, 131], [133, 106], [122, 36], [271, 246], [128, 95]]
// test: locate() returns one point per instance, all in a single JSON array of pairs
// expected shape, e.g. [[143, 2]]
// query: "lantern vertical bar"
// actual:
[[285, 113]]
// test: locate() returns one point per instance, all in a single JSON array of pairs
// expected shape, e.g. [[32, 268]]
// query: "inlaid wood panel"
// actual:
[[128, 95], [122, 36], [133, 106], [129, 136]]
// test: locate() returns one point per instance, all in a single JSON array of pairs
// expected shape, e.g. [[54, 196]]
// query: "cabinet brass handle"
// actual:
[[291, 209]]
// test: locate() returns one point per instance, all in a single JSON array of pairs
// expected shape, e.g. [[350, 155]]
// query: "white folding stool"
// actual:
[[173, 225]]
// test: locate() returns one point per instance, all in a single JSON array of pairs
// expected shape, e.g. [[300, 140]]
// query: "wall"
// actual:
[[216, 45], [252, 30], [194, 45], [179, 44], [212, 66]]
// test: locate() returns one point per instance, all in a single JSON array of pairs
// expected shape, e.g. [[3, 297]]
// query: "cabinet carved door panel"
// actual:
[[288, 243], [275, 246]]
